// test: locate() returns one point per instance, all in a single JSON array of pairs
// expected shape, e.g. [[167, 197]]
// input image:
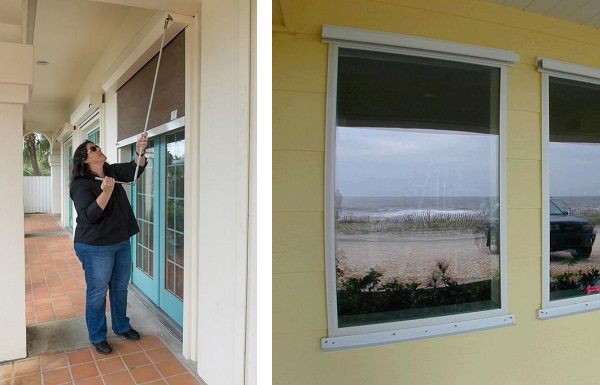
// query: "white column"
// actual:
[[56, 182], [224, 115], [16, 76]]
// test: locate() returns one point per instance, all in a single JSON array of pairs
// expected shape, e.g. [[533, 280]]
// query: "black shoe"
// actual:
[[130, 334], [103, 347]]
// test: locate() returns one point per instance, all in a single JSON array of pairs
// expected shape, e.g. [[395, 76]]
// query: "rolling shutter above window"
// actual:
[[133, 97]]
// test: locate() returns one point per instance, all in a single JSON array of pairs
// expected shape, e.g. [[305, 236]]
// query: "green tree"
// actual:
[[36, 155]]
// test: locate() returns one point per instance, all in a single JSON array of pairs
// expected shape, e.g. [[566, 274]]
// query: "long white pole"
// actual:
[[137, 166]]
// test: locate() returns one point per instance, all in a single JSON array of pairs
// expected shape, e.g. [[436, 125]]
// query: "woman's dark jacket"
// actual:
[[116, 223]]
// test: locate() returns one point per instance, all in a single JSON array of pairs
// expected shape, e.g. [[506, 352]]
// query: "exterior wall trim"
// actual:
[[418, 46], [65, 174], [169, 126], [86, 109], [414, 334], [191, 190], [568, 71]]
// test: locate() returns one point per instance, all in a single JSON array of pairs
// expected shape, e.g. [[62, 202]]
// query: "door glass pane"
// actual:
[[179, 215], [139, 261], [179, 248], [170, 245], [574, 150], [178, 282], [146, 256], [145, 212], [170, 277], [174, 211], [170, 213]]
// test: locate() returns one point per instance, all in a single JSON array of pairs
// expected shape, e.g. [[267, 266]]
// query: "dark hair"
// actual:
[[81, 169]]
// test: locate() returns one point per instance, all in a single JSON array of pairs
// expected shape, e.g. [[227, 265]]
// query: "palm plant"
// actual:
[[36, 155]]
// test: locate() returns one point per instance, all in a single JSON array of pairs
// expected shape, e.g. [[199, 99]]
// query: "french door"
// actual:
[[158, 200]]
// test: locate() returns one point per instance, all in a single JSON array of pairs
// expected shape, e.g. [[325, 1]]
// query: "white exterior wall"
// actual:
[[223, 189], [12, 258], [109, 129], [64, 175], [16, 70], [56, 175]]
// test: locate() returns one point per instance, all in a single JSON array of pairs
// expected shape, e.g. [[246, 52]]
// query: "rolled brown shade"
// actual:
[[133, 97]]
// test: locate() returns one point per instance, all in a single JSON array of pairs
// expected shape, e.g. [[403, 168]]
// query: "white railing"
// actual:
[[37, 194]]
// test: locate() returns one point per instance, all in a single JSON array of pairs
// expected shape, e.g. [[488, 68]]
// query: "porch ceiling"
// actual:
[[184, 7], [10, 12], [70, 35], [586, 12]]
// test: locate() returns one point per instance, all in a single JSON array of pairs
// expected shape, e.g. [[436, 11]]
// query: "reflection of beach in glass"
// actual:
[[426, 253], [573, 168], [570, 273]]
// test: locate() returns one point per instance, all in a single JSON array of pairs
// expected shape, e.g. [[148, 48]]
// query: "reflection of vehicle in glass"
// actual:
[[567, 232]]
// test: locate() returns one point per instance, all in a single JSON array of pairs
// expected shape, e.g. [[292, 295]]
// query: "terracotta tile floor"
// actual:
[[147, 361], [40, 223], [55, 283]]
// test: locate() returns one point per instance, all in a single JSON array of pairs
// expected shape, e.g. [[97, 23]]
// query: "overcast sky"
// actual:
[[374, 162], [574, 169]]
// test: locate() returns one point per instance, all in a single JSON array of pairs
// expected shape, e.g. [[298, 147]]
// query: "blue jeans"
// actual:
[[106, 267]]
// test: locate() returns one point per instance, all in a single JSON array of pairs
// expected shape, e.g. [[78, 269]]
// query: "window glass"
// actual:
[[94, 136], [574, 150], [416, 188]]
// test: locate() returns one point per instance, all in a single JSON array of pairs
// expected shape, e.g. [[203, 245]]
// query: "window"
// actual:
[[571, 207], [94, 136], [415, 193]]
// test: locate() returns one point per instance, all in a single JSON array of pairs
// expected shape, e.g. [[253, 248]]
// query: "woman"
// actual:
[[105, 222]]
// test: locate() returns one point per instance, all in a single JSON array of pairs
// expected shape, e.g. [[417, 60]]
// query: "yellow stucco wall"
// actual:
[[560, 351]]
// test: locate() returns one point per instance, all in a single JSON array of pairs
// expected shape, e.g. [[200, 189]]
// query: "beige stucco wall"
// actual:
[[16, 69], [533, 351]]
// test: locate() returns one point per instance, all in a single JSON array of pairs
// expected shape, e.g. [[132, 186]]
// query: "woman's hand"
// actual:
[[142, 143], [108, 184]]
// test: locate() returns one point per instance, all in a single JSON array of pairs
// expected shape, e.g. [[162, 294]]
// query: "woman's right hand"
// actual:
[[108, 184]]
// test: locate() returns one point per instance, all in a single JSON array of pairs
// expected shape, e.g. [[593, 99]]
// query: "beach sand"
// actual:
[[412, 256]]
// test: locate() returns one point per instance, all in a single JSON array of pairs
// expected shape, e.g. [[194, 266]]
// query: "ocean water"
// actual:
[[389, 207], [581, 202]]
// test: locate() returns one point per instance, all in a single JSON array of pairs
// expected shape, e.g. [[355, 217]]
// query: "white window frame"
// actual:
[[569, 306], [394, 332], [66, 174], [94, 121]]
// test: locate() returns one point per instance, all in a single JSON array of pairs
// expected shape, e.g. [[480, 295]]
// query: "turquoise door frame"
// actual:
[[153, 281], [70, 155]]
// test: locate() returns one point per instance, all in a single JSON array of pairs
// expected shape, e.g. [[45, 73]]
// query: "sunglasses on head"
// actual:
[[93, 148]]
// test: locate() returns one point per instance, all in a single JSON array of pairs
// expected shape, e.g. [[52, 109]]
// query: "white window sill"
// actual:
[[567, 310], [403, 335]]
